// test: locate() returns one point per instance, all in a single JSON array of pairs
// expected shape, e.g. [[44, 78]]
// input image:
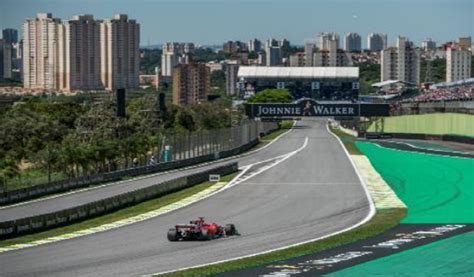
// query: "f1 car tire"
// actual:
[[203, 235], [230, 229], [172, 235]]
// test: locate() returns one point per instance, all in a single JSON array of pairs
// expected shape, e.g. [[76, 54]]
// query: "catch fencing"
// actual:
[[173, 152]]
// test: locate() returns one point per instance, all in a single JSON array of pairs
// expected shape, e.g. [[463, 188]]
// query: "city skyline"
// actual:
[[440, 19]]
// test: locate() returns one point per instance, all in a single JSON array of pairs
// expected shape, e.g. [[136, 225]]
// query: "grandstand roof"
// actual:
[[454, 83], [385, 83], [389, 82], [297, 72]]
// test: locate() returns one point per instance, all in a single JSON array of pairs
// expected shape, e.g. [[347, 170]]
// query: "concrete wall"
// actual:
[[434, 124]]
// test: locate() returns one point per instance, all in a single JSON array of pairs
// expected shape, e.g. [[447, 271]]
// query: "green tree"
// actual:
[[98, 123], [8, 169], [208, 55], [271, 96], [213, 115], [143, 115], [186, 119], [218, 81], [369, 74], [438, 70], [48, 159], [150, 59], [253, 55]]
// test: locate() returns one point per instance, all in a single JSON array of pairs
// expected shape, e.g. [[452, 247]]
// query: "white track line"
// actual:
[[160, 211], [363, 221], [416, 152], [148, 176]]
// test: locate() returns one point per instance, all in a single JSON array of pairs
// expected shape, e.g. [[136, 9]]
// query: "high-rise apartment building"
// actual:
[[191, 83], [376, 41], [2, 74], [40, 52], [231, 79], [458, 63], [79, 52], [309, 49], [428, 45], [273, 52], [10, 36], [173, 54], [324, 39], [254, 45], [332, 57], [401, 63], [297, 59], [352, 42], [284, 43], [329, 56], [6, 60], [233, 47], [9, 51], [465, 42], [18, 59], [120, 54]]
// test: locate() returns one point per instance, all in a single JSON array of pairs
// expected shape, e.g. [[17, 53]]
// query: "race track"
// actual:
[[313, 193]]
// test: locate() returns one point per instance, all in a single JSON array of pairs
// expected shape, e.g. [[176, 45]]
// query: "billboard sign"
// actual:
[[309, 107]]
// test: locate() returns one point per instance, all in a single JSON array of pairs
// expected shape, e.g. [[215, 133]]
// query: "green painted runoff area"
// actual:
[[447, 257], [430, 146], [434, 124], [435, 188]]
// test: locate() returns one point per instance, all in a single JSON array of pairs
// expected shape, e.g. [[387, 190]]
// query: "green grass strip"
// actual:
[[347, 140], [137, 209], [285, 126], [125, 213], [381, 222]]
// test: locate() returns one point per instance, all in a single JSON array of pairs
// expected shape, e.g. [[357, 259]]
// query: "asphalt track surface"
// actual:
[[313, 193], [62, 202]]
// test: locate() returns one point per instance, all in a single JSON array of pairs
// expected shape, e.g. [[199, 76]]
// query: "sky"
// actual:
[[215, 21]]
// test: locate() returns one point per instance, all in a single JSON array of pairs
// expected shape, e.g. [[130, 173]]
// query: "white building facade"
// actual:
[[458, 64], [40, 52], [79, 52], [401, 63], [352, 42], [174, 53], [120, 54], [376, 41]]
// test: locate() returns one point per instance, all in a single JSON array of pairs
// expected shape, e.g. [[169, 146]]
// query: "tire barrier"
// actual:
[[43, 222], [248, 137]]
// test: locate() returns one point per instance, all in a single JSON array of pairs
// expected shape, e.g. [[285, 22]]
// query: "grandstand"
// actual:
[[461, 90], [458, 83], [320, 83]]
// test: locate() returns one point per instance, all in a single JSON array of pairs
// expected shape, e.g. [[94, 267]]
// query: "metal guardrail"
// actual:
[[452, 138], [184, 150], [33, 224]]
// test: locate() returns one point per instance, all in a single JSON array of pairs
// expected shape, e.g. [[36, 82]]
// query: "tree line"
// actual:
[[72, 136]]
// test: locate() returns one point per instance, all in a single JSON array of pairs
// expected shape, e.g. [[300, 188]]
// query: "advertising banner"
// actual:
[[309, 107]]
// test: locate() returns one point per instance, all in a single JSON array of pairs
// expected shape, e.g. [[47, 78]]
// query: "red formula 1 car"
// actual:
[[200, 230]]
